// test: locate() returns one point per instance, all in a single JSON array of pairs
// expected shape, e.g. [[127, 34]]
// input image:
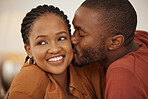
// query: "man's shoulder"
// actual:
[[126, 62], [141, 37]]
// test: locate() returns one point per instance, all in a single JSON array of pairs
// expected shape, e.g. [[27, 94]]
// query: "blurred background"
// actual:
[[12, 53]]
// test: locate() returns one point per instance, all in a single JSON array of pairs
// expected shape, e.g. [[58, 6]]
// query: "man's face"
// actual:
[[88, 39]]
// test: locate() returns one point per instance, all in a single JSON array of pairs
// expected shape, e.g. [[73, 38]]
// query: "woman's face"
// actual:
[[50, 44]]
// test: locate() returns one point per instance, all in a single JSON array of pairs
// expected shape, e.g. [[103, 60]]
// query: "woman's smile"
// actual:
[[56, 60], [50, 44]]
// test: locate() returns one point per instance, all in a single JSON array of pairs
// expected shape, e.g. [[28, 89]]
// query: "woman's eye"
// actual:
[[62, 38], [42, 43]]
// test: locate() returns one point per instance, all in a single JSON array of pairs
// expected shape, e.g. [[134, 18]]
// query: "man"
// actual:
[[104, 33]]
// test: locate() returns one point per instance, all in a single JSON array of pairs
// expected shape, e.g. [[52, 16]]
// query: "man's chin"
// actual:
[[80, 60], [78, 63]]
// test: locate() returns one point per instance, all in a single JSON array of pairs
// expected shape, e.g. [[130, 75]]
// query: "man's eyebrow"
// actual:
[[80, 28]]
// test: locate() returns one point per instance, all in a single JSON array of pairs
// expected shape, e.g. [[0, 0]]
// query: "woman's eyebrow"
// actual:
[[56, 34], [41, 36], [61, 33]]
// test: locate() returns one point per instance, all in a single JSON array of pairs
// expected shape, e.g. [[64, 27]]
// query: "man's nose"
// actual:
[[74, 40]]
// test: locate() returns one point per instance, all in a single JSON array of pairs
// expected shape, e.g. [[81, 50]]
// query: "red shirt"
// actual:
[[127, 78]]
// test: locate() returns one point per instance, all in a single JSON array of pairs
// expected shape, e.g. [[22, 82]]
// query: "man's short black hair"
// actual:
[[118, 16]]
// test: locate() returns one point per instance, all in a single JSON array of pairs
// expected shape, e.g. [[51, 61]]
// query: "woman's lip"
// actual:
[[54, 56]]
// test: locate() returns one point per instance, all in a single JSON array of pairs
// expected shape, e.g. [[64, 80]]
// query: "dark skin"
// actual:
[[89, 29], [63, 81], [49, 39], [118, 50]]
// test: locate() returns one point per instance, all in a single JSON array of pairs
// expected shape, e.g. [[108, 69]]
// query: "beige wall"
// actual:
[[13, 11]]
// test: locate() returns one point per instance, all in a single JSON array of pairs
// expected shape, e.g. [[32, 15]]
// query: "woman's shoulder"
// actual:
[[30, 74], [30, 80]]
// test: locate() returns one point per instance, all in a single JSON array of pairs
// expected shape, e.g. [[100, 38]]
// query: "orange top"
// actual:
[[33, 83]]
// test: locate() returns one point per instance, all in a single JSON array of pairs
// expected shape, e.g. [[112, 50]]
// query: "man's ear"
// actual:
[[28, 50], [116, 42]]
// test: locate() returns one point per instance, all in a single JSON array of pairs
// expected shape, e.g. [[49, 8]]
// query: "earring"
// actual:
[[28, 60], [31, 61]]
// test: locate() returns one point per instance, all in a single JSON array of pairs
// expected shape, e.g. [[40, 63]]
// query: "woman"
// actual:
[[48, 73]]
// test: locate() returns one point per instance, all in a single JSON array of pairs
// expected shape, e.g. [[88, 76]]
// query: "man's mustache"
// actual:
[[74, 49]]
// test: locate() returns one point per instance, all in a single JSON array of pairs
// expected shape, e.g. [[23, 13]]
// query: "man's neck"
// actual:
[[117, 54]]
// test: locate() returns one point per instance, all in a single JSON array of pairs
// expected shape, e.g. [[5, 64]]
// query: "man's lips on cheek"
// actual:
[[75, 50]]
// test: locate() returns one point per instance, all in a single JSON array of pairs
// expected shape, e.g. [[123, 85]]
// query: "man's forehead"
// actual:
[[88, 20], [86, 14], [85, 11]]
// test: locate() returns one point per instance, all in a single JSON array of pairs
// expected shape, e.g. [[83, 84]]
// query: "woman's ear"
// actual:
[[28, 50], [116, 42]]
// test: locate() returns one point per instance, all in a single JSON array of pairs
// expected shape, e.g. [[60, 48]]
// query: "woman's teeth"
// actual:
[[55, 59]]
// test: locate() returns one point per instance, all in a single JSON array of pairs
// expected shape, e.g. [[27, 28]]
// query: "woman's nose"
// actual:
[[54, 48]]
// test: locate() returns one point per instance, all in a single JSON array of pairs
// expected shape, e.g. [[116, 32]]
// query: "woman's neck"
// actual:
[[62, 80]]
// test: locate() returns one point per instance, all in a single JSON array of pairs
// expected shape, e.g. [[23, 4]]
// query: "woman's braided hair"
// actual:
[[34, 14]]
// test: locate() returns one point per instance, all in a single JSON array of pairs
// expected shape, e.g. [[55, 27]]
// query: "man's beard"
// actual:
[[89, 55]]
